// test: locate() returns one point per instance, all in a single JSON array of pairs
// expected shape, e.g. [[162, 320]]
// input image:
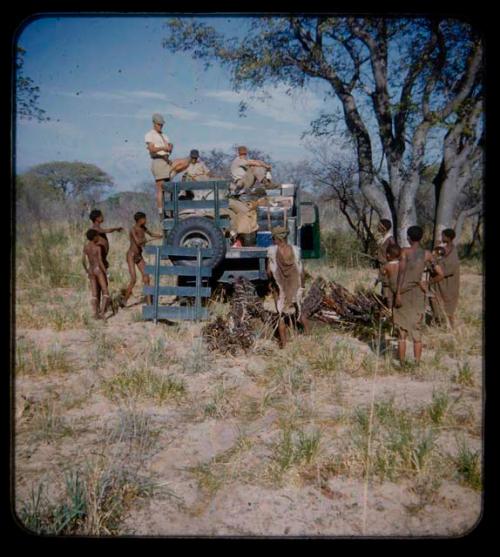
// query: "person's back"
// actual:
[[415, 267]]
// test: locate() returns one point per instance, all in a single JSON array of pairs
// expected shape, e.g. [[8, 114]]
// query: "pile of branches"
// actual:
[[237, 331], [332, 303], [328, 302]]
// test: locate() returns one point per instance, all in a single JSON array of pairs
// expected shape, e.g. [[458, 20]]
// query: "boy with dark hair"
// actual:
[[409, 301], [137, 236], [445, 299], [96, 272], [97, 219], [389, 273]]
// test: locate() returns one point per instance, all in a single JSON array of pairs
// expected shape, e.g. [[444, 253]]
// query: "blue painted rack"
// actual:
[[196, 312], [173, 205]]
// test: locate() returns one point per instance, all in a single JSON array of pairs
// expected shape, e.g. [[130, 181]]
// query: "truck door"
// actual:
[[310, 239]]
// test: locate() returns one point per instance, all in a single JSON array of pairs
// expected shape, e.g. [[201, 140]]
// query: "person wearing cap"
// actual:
[[197, 171], [245, 172], [286, 272], [160, 148]]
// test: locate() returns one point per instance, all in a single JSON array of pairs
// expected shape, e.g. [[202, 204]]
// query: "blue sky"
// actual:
[[101, 79]]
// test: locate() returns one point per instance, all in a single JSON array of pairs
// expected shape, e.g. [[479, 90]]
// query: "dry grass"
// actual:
[[304, 419]]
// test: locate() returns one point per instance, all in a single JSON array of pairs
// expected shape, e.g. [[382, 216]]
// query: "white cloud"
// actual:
[[225, 125], [275, 103], [168, 107]]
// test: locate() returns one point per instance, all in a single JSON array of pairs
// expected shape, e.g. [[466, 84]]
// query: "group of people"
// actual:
[[95, 262], [411, 276], [250, 177]]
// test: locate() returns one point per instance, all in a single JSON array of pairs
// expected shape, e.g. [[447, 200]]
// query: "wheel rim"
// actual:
[[195, 239]]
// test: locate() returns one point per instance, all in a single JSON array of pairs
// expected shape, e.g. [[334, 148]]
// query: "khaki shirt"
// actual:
[[197, 169]]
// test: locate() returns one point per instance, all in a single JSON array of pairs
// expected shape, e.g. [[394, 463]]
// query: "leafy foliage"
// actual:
[[27, 93]]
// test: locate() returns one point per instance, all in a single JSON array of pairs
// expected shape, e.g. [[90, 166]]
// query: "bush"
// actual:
[[343, 249]]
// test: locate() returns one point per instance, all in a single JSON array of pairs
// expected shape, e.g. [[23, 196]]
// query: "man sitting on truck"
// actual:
[[197, 171], [245, 172]]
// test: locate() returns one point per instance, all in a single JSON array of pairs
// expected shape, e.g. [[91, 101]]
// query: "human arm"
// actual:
[[255, 162], [401, 275], [152, 234], [84, 262], [113, 229]]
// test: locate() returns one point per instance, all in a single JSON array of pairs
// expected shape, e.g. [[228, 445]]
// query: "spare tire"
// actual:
[[194, 232]]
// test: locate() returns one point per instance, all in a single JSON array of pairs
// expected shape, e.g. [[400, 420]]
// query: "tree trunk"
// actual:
[[464, 215]]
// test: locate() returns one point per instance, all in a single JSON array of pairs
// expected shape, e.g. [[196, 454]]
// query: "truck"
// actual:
[[197, 234]]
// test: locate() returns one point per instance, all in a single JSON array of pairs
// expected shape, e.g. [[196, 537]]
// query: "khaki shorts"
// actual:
[[160, 169]]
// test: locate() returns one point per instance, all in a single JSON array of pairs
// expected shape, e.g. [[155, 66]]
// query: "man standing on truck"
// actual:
[[160, 148]]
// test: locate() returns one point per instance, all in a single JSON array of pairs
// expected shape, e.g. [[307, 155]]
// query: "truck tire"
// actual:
[[198, 231]]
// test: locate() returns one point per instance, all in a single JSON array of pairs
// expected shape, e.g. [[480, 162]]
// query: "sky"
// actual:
[[102, 78]]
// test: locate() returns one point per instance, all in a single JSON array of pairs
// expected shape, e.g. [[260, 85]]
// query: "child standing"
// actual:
[[97, 219], [137, 236], [96, 272], [389, 274]]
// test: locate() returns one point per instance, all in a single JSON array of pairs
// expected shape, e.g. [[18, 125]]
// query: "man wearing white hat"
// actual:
[[160, 148]]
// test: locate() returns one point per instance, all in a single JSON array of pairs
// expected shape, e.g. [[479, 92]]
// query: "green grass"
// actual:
[[464, 375], [468, 468], [93, 502], [31, 360], [141, 382], [47, 424], [439, 407], [295, 448]]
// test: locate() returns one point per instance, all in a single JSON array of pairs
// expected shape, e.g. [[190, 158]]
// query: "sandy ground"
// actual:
[[208, 481]]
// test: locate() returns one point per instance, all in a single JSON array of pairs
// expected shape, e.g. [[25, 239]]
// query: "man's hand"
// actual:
[[119, 229], [397, 301], [424, 286]]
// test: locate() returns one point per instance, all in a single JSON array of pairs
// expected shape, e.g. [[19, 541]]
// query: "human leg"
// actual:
[[141, 265], [133, 276], [402, 346], [103, 283], [178, 165], [282, 332], [417, 350], [96, 292], [159, 195]]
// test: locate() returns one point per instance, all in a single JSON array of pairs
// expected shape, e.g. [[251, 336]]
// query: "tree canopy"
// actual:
[[27, 93], [71, 180], [396, 80]]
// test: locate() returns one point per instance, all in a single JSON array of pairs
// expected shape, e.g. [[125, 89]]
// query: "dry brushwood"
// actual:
[[236, 332], [343, 307], [314, 298]]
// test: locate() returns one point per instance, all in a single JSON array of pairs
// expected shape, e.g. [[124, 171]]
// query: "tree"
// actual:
[[27, 93], [72, 180], [456, 196], [336, 177], [396, 80]]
